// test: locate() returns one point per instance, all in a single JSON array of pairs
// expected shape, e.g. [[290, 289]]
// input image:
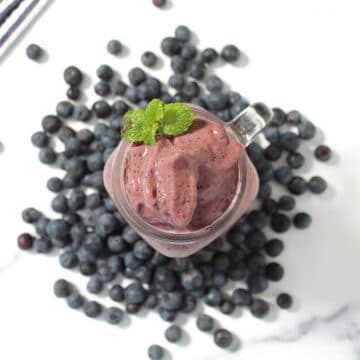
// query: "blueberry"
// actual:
[[284, 301], [117, 293], [81, 113], [209, 55], [42, 245], [31, 215], [199, 102], [274, 271], [238, 107], [51, 124], [114, 315], [255, 240], [25, 241], [135, 294], [171, 301], [257, 283], [230, 53], [180, 97], [205, 322], [148, 58], [197, 70], [136, 76], [188, 51], [317, 185], [238, 271], [214, 83], [177, 81], [76, 200], [236, 237], [264, 191], [64, 109], [178, 64], [115, 263], [258, 219], [241, 297], [118, 87], [151, 301], [223, 338], [265, 171], [95, 161], [87, 268], [129, 235], [40, 139], [279, 117], [102, 88], [272, 134], [297, 185], [156, 352], [68, 259], [182, 33], [93, 243], [116, 244], [104, 72], [283, 175], [270, 206], [59, 204], [142, 250], [62, 288], [95, 285], [295, 160], [170, 46], [131, 95], [280, 222], [73, 93], [76, 169], [70, 183], [294, 117], [302, 220], [259, 308], [173, 333], [101, 109], [34, 52], [159, 3], [274, 247], [273, 152], [106, 224], [114, 47], [41, 225], [307, 130], [73, 76], [92, 309], [286, 203], [219, 279], [47, 156], [289, 141], [216, 101], [75, 300], [322, 153], [192, 279], [213, 297], [227, 307], [78, 232]]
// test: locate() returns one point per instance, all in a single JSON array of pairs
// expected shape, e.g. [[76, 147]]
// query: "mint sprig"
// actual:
[[169, 120]]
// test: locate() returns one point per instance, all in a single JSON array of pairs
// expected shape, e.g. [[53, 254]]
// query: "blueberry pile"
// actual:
[[90, 235]]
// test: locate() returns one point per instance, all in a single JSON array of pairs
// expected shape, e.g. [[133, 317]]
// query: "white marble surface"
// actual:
[[300, 54]]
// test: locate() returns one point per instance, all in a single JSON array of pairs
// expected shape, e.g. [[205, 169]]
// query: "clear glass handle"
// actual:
[[251, 121]]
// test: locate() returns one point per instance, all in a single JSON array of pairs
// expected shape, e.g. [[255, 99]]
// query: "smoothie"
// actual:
[[186, 182]]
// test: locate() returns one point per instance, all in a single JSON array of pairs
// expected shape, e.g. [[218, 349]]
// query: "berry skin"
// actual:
[[205, 322], [214, 84], [170, 46], [51, 124], [280, 222], [223, 338], [68, 259], [230, 53], [64, 109], [34, 52], [323, 153], [114, 315], [279, 117], [241, 297], [31, 215], [197, 70], [136, 76], [75, 300], [104, 72], [273, 152], [257, 283], [62, 288], [307, 130], [148, 58], [114, 47], [259, 308], [188, 51], [155, 352], [297, 185], [317, 185], [284, 301], [302, 220], [274, 271], [82, 113], [274, 247], [94, 285], [47, 156], [73, 76], [173, 333], [177, 81], [135, 294], [289, 141], [25, 241], [117, 293], [39, 139], [209, 55], [295, 160], [92, 309], [283, 175], [182, 33], [73, 93]]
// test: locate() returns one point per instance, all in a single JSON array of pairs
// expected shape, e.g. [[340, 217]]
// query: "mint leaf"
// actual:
[[177, 119], [148, 134], [133, 125], [155, 110]]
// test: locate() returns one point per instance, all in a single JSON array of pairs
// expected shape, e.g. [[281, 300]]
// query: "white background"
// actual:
[[300, 54]]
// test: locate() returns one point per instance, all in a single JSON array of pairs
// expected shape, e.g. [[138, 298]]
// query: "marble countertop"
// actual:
[[299, 54]]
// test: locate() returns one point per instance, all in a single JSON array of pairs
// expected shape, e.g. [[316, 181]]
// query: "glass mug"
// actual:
[[243, 128]]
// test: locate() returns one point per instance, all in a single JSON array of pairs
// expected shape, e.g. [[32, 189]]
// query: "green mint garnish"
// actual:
[[170, 119]]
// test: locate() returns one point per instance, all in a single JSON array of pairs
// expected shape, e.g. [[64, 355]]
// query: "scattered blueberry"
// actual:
[[25, 241], [182, 33], [322, 153], [284, 301], [173, 333], [223, 338], [274, 247], [114, 47], [148, 58], [209, 55], [286, 203], [114, 315], [297, 185], [317, 185], [295, 160], [259, 308], [92, 309], [34, 52], [230, 53], [73, 76], [156, 352], [75, 300], [302, 220], [205, 322], [62, 288], [104, 72]]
